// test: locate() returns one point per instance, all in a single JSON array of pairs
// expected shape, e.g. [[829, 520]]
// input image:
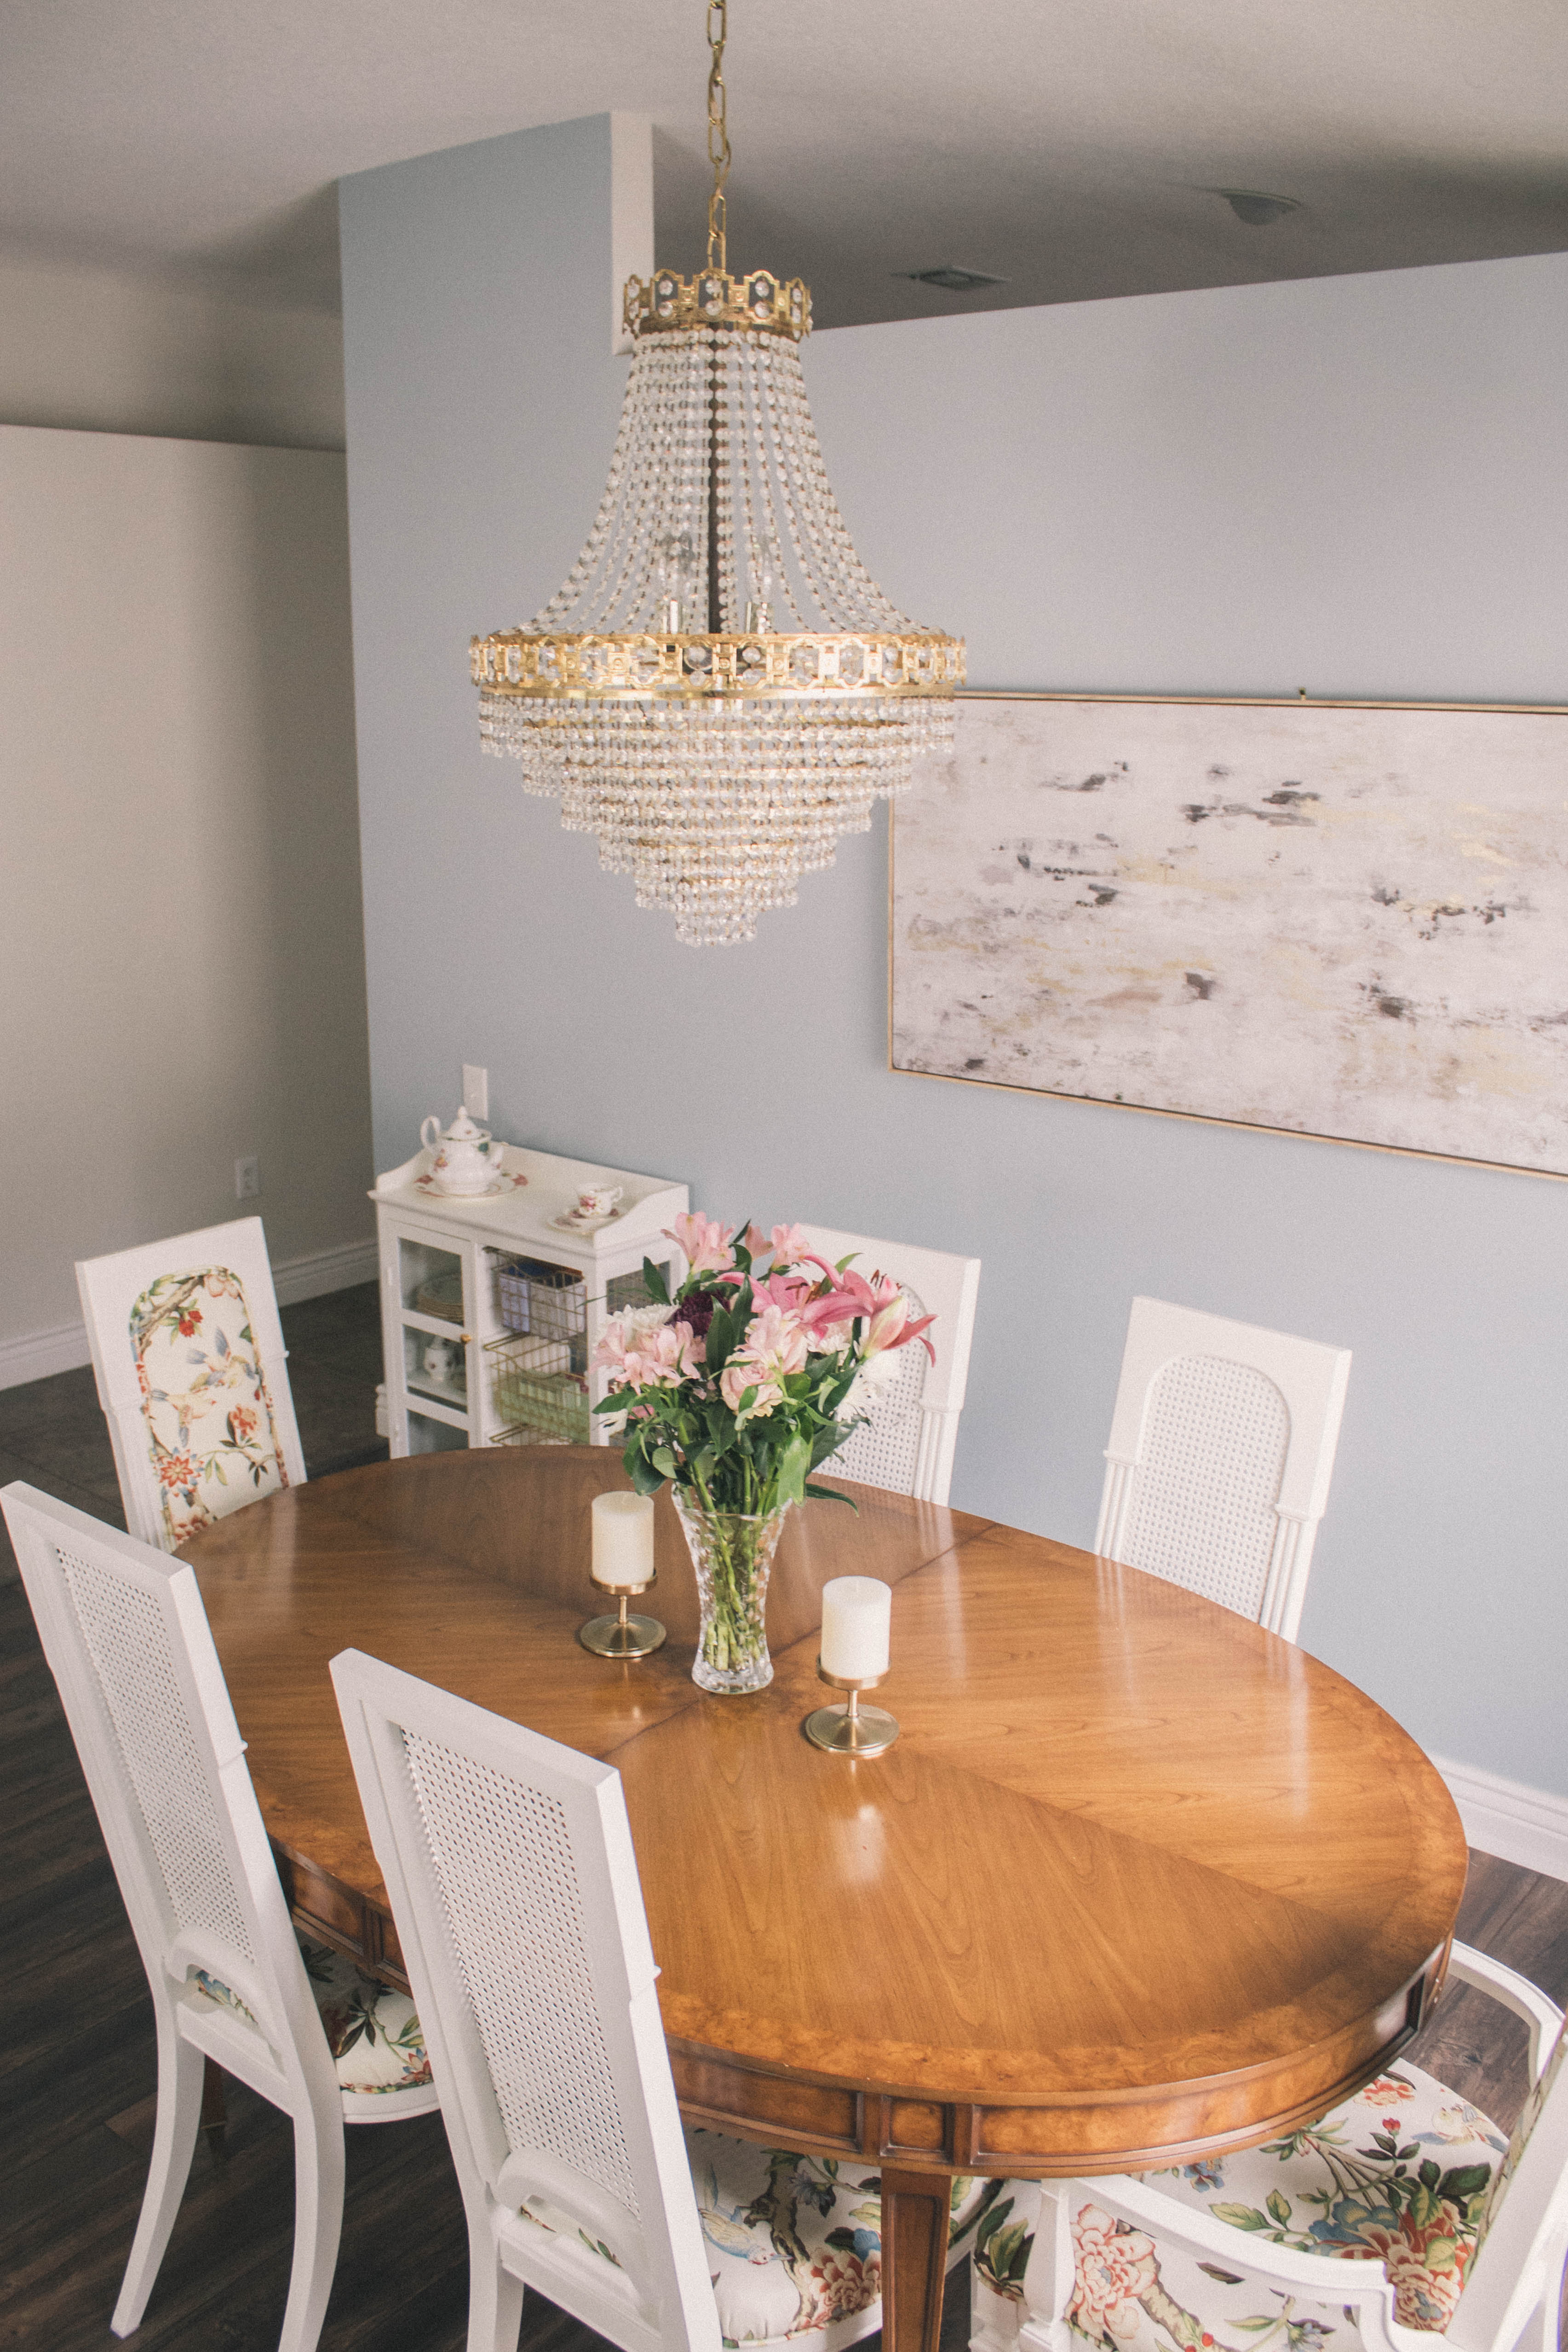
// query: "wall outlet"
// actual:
[[247, 1178], [476, 1091]]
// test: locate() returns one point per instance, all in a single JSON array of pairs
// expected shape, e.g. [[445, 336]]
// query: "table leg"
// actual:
[[914, 2220]]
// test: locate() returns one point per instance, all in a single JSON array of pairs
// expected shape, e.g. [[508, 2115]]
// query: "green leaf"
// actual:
[[1226, 2278], [792, 1470], [653, 1282], [663, 1462], [1280, 2208], [721, 1338], [1240, 2217], [1428, 2175], [831, 1495], [644, 1477], [1466, 2180]]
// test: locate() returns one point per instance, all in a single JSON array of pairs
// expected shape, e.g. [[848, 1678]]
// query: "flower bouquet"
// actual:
[[734, 1391]]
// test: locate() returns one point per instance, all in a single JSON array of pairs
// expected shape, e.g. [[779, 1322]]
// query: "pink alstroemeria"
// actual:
[[625, 1333], [788, 1244], [706, 1244], [776, 1339], [671, 1353]]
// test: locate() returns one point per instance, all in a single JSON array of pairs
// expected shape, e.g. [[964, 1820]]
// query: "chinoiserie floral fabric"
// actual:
[[372, 2029], [204, 1397], [1399, 2175], [794, 2242]]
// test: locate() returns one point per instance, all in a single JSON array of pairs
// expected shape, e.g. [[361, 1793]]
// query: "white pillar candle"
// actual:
[[856, 1614], [622, 1540]]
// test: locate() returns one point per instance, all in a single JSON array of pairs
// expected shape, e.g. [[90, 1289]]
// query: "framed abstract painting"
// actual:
[[1338, 920]]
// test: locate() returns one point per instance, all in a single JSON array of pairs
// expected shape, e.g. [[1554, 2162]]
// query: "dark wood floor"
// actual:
[[77, 2068]]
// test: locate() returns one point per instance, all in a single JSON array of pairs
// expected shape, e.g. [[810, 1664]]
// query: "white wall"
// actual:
[[181, 960], [111, 350], [1352, 484]]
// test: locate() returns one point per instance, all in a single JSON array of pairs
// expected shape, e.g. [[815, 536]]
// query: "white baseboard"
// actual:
[[38, 1353], [324, 1270], [1523, 1825]]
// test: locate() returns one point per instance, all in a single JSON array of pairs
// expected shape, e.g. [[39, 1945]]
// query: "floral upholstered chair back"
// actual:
[[189, 1355], [210, 1429]]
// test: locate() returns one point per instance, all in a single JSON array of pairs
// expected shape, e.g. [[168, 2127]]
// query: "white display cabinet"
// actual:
[[490, 1309]]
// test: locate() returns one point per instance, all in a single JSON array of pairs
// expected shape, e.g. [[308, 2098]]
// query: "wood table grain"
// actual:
[[1139, 1883]]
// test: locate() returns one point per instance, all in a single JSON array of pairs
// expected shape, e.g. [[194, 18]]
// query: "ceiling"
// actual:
[[1072, 148]]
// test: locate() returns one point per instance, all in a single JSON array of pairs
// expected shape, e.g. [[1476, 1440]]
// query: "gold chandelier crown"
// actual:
[[718, 688], [768, 305]]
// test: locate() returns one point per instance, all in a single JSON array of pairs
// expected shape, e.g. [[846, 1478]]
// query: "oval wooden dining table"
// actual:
[[1138, 1882]]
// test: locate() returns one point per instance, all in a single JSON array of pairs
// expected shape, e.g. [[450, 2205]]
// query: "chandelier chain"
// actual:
[[717, 135]]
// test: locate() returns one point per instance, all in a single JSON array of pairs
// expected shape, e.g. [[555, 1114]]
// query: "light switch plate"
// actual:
[[247, 1178], [476, 1090]]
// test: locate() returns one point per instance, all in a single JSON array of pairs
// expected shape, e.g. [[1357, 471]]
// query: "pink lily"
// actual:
[[880, 1303]]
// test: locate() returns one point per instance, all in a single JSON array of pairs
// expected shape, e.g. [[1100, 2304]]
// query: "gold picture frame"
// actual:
[[1320, 831]]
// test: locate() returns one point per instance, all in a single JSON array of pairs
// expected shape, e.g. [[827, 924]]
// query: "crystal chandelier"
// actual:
[[719, 688]]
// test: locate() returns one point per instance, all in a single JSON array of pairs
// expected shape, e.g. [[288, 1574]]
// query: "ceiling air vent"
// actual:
[[951, 281]]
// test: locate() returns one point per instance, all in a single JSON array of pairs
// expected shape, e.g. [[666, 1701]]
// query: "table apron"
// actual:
[[1124, 2132]]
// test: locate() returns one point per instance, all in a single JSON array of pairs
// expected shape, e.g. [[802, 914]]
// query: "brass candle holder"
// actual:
[[622, 1636], [851, 1730]]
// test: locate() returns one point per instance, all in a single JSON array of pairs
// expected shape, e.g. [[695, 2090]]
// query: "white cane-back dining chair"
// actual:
[[513, 1887], [1402, 2222], [908, 1440], [127, 1643], [187, 1349], [1222, 1445]]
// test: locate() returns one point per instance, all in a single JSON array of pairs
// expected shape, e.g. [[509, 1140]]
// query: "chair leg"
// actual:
[[495, 2297], [181, 2071], [1048, 2282], [318, 2226]]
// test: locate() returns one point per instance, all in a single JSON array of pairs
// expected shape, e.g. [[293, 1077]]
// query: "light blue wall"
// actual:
[[1356, 485]]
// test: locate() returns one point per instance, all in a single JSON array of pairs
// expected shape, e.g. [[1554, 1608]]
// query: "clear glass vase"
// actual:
[[732, 1553]]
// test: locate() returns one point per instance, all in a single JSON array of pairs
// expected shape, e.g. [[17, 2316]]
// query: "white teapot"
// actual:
[[463, 1157]]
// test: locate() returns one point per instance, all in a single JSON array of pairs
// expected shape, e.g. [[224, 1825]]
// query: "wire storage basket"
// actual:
[[544, 1301], [537, 1395]]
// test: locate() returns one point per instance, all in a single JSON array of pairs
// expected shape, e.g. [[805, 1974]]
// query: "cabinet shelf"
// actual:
[[441, 1266]]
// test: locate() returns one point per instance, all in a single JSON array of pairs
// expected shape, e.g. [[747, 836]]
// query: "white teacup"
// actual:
[[597, 1200]]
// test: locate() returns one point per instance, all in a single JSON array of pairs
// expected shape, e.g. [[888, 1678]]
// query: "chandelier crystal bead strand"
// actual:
[[719, 688]]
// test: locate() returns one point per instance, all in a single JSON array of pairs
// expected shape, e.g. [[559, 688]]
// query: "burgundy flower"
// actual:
[[697, 1311]]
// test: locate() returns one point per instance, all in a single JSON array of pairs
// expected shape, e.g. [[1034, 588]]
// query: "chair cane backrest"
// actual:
[[907, 1442], [1222, 1445], [1520, 2259], [188, 1353], [128, 1643], [513, 1887]]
